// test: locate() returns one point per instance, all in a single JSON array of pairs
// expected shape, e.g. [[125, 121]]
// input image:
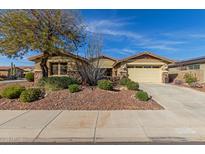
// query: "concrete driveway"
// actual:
[[182, 121], [175, 98]]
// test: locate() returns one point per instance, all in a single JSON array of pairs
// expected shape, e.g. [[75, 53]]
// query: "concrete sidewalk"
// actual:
[[12, 81], [99, 127]]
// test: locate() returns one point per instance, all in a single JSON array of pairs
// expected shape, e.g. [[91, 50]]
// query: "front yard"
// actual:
[[88, 98]]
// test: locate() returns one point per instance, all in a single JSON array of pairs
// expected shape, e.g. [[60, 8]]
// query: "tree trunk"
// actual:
[[44, 66]]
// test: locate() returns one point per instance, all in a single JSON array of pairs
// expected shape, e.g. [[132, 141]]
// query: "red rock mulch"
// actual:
[[87, 99]]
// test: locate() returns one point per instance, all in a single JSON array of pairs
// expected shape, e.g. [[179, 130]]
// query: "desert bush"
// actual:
[[74, 88], [142, 96], [124, 81], [31, 94], [190, 78], [105, 84], [196, 85], [132, 85], [41, 82], [29, 76], [12, 91], [56, 83]]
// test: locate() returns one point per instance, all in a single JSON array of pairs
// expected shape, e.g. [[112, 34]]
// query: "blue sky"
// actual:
[[175, 34]]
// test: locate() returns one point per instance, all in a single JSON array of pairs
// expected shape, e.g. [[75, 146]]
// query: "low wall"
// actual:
[[180, 75]]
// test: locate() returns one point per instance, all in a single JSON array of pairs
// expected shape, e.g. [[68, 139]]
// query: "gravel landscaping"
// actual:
[[86, 99]]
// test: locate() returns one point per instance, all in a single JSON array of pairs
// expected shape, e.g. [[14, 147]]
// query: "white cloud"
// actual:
[[161, 47], [123, 51], [115, 28], [197, 36], [184, 35]]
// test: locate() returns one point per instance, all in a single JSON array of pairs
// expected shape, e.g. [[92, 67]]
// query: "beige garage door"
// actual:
[[152, 75]]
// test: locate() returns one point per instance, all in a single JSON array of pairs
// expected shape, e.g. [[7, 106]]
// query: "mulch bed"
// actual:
[[87, 99]]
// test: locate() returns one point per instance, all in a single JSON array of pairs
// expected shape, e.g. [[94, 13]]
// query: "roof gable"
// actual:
[[104, 57], [145, 55], [34, 58]]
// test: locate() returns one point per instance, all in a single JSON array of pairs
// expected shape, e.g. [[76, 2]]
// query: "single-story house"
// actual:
[[143, 67], [58, 65], [6, 72], [195, 66]]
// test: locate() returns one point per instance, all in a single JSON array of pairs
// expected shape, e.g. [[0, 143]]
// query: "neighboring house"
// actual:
[[5, 72], [106, 63], [143, 67], [58, 65], [195, 66]]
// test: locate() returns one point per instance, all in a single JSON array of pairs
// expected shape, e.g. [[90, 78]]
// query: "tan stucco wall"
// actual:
[[202, 66], [173, 70], [104, 63], [200, 74], [147, 61]]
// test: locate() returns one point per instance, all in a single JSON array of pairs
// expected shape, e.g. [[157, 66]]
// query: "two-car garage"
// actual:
[[144, 67], [145, 74]]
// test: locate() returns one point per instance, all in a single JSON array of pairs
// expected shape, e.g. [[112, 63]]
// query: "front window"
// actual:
[[63, 68], [54, 69], [147, 66], [59, 68], [194, 67]]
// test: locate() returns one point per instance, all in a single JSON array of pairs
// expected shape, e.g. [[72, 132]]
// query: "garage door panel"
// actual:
[[145, 74]]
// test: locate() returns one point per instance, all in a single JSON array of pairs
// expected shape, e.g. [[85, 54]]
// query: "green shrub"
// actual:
[[190, 78], [29, 76], [132, 85], [1, 79], [74, 88], [124, 81], [142, 96], [105, 84], [30, 95], [12, 91], [56, 83], [42, 81]]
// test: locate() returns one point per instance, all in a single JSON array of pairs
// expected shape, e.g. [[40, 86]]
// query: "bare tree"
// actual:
[[92, 72]]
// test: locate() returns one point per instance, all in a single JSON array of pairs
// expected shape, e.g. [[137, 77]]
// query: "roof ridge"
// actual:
[[192, 59]]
